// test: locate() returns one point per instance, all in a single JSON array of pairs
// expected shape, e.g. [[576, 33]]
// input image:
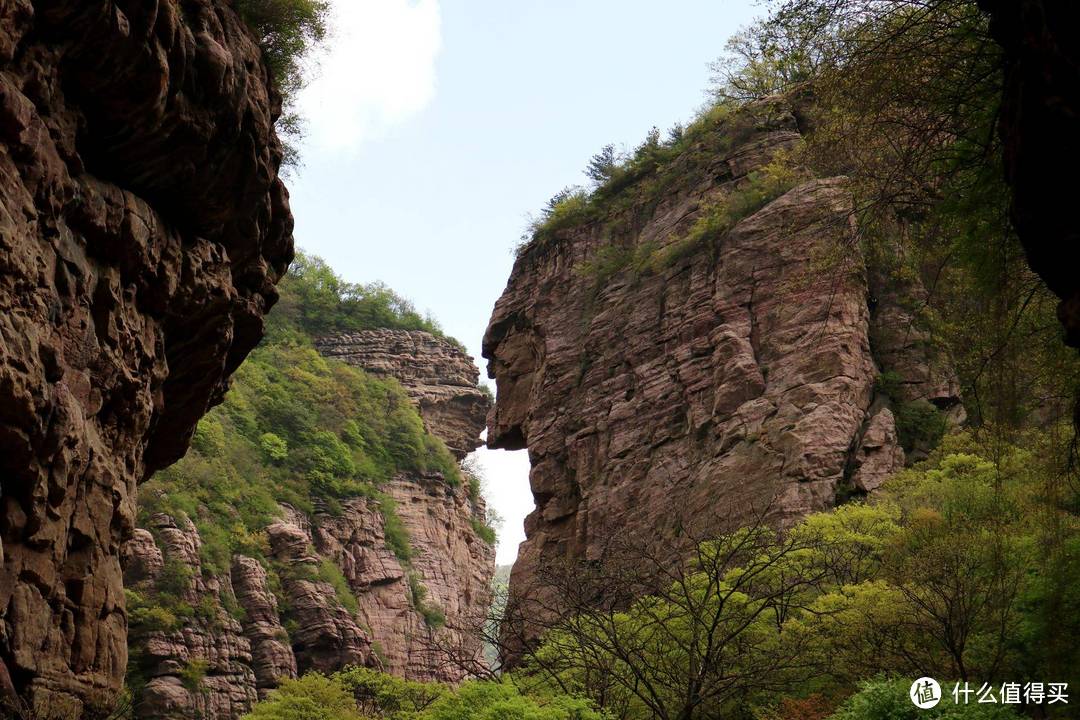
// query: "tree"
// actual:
[[602, 165], [644, 635], [311, 697]]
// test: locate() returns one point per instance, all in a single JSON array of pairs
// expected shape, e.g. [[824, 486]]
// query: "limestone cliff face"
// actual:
[[260, 623], [439, 376], [142, 227], [735, 378]]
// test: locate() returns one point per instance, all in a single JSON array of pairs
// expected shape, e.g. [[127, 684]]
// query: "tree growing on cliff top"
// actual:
[[287, 31]]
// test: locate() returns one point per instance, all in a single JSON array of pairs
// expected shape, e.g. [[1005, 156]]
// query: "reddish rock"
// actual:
[[449, 560], [142, 227], [439, 376], [326, 636], [272, 658], [210, 643], [736, 379]]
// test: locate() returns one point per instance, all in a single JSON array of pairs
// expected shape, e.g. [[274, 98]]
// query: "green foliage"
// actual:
[[310, 697], [919, 425], [145, 616], [209, 437], [286, 29], [331, 574], [356, 693], [274, 448], [484, 531], [943, 574], [502, 701], [889, 383], [381, 695], [192, 674], [316, 301], [433, 616], [295, 428], [174, 578], [716, 219], [394, 531]]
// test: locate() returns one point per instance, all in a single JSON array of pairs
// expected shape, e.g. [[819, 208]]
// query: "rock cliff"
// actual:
[[439, 376], [662, 371], [335, 587], [142, 229]]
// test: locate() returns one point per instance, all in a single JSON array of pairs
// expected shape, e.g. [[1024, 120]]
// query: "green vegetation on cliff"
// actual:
[[964, 568], [300, 429], [359, 694]]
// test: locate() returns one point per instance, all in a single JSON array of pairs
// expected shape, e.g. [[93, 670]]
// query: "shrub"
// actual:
[[331, 574], [397, 537], [174, 578], [503, 701], [192, 674], [274, 448], [382, 695], [306, 698], [889, 383], [433, 616], [286, 29], [484, 531], [209, 437], [919, 425]]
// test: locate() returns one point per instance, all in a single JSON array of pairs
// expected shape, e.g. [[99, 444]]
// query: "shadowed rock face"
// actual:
[[1040, 133], [142, 227], [736, 379]]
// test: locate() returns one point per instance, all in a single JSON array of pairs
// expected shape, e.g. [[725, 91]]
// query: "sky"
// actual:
[[434, 129]]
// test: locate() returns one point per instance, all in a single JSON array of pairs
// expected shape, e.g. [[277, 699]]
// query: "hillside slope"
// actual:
[[319, 520]]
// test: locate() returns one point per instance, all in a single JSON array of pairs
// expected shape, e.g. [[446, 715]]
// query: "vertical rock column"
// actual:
[[142, 227]]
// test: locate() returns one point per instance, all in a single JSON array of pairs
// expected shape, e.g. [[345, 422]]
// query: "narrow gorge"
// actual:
[[794, 379]]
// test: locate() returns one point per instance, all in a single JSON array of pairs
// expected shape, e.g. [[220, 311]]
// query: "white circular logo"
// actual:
[[925, 693]]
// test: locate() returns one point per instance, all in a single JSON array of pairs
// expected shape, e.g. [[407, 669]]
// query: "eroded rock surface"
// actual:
[[332, 592], [142, 227], [451, 563], [218, 661], [735, 378], [439, 376], [201, 667]]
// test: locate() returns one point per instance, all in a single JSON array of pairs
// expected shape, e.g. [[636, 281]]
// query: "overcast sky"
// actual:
[[435, 128]]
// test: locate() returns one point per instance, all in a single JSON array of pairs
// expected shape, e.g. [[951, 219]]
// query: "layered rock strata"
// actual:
[[290, 618], [142, 227], [702, 384], [241, 638], [439, 376]]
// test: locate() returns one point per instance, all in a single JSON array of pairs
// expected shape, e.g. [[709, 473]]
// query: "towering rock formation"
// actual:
[[439, 376], [336, 594], [659, 380], [142, 227]]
